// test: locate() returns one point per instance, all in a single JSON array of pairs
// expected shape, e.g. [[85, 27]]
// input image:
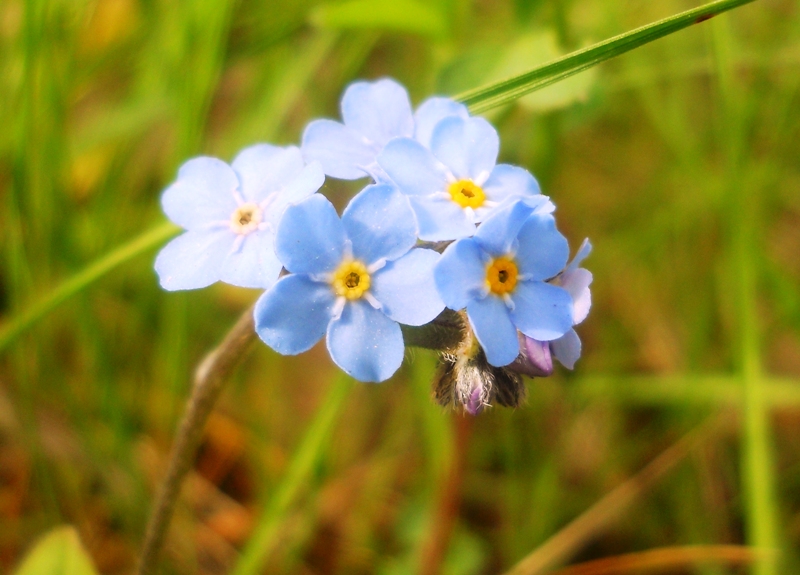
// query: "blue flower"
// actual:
[[373, 114], [499, 277], [353, 279], [230, 213], [456, 183]]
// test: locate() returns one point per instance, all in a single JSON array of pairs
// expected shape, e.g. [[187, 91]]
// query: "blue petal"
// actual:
[[567, 349], [308, 181], [342, 152], [583, 252], [380, 223], [264, 169], [378, 110], [294, 314], [542, 251], [202, 194], [413, 168], [460, 275], [431, 112], [494, 330], [254, 264], [310, 237], [538, 204], [467, 146], [576, 282], [194, 259], [406, 289], [498, 233], [440, 219], [541, 311], [510, 181], [365, 343]]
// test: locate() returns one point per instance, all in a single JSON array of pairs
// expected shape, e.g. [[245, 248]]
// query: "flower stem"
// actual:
[[209, 380]]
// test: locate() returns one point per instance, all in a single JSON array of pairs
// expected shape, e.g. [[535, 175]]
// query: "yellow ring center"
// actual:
[[501, 275], [246, 218], [351, 280], [467, 194]]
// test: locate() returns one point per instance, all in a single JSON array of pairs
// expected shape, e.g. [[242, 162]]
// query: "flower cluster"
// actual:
[[442, 225]]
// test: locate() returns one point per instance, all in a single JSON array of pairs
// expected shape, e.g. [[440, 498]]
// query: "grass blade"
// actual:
[[87, 276], [744, 212], [569, 540], [295, 479], [493, 95]]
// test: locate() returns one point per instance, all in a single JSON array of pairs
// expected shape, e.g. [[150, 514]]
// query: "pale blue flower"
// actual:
[[499, 275], [230, 214], [373, 113], [457, 183], [353, 279]]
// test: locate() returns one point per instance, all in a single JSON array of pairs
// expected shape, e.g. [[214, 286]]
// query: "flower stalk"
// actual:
[[209, 380]]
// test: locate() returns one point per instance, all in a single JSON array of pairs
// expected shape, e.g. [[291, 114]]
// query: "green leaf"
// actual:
[[496, 94], [58, 553], [398, 16]]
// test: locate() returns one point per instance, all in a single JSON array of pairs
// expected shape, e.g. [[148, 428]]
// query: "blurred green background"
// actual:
[[680, 161]]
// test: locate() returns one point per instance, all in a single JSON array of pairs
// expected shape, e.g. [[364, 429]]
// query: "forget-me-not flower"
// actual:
[[499, 276], [373, 114], [353, 279], [456, 183], [230, 213]]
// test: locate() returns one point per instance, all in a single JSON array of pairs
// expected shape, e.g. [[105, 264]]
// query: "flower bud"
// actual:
[[535, 359], [467, 381]]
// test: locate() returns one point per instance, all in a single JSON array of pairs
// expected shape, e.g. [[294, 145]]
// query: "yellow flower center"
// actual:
[[501, 275], [467, 194], [351, 280], [245, 218]]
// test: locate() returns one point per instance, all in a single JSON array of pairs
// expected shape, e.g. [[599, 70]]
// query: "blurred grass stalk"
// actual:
[[265, 534], [609, 509], [743, 219], [83, 279]]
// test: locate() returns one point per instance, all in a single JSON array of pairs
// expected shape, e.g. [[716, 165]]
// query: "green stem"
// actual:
[[147, 241], [264, 536]]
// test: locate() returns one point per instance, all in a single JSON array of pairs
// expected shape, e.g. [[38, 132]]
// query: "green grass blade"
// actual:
[[744, 207], [295, 479], [493, 95], [84, 278]]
